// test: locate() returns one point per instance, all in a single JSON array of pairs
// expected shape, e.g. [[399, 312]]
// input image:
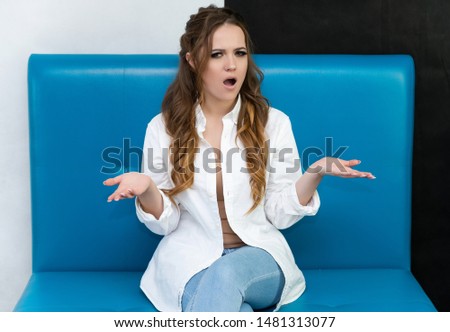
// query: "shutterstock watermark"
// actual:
[[128, 158]]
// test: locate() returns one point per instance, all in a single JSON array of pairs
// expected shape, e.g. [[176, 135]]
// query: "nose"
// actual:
[[231, 64], [231, 68]]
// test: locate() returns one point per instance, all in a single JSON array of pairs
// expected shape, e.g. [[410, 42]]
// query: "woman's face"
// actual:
[[226, 68]]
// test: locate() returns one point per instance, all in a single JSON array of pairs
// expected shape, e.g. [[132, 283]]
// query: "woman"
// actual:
[[219, 180]]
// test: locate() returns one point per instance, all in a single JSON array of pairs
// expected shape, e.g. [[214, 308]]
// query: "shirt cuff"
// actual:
[[159, 226], [310, 209]]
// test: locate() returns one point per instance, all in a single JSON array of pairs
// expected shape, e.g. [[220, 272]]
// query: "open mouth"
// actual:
[[230, 82]]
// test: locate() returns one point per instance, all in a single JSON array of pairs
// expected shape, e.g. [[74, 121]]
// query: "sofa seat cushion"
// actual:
[[361, 290], [327, 291], [84, 292]]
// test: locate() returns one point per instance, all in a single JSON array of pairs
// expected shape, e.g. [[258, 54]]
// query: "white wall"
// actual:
[[60, 26]]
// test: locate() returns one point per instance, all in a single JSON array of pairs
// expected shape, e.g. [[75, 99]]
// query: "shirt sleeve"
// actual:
[[282, 205], [155, 164]]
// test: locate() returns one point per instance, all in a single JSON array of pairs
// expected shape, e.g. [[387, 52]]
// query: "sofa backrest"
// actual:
[[88, 115]]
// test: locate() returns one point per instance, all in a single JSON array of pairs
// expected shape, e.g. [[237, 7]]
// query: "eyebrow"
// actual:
[[223, 50]]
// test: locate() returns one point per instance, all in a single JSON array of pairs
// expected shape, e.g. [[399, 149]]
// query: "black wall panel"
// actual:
[[417, 27]]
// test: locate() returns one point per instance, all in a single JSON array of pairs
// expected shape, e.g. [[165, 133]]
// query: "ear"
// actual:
[[190, 60]]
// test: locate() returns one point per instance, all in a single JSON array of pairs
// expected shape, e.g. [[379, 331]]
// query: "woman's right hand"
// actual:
[[130, 185]]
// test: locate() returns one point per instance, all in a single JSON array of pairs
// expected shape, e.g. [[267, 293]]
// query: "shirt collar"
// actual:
[[200, 122]]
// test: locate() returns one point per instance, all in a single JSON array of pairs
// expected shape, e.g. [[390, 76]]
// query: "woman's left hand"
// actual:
[[338, 167]]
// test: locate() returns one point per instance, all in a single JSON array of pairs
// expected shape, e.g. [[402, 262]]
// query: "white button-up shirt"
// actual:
[[192, 230]]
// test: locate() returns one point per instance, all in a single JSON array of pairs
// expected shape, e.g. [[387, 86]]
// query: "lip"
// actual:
[[230, 87]]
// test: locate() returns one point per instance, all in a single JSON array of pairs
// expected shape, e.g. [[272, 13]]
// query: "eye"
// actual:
[[216, 54], [241, 53]]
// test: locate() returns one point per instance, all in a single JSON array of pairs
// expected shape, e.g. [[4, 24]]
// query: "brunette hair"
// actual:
[[185, 93]]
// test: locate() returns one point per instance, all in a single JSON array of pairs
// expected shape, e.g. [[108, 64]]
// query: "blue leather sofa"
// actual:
[[88, 115]]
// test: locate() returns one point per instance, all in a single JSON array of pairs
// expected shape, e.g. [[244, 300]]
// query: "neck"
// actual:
[[217, 109]]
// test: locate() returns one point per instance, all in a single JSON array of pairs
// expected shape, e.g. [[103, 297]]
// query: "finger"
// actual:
[[352, 162], [367, 175], [370, 176], [112, 197], [113, 181], [121, 194], [348, 173], [119, 197], [127, 194], [115, 196]]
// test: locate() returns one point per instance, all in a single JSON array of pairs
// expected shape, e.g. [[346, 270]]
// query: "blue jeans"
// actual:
[[243, 279]]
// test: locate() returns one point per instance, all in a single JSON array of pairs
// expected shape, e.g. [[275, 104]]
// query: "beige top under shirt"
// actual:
[[230, 239]]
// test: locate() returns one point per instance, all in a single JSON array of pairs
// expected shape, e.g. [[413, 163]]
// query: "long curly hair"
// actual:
[[185, 93]]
